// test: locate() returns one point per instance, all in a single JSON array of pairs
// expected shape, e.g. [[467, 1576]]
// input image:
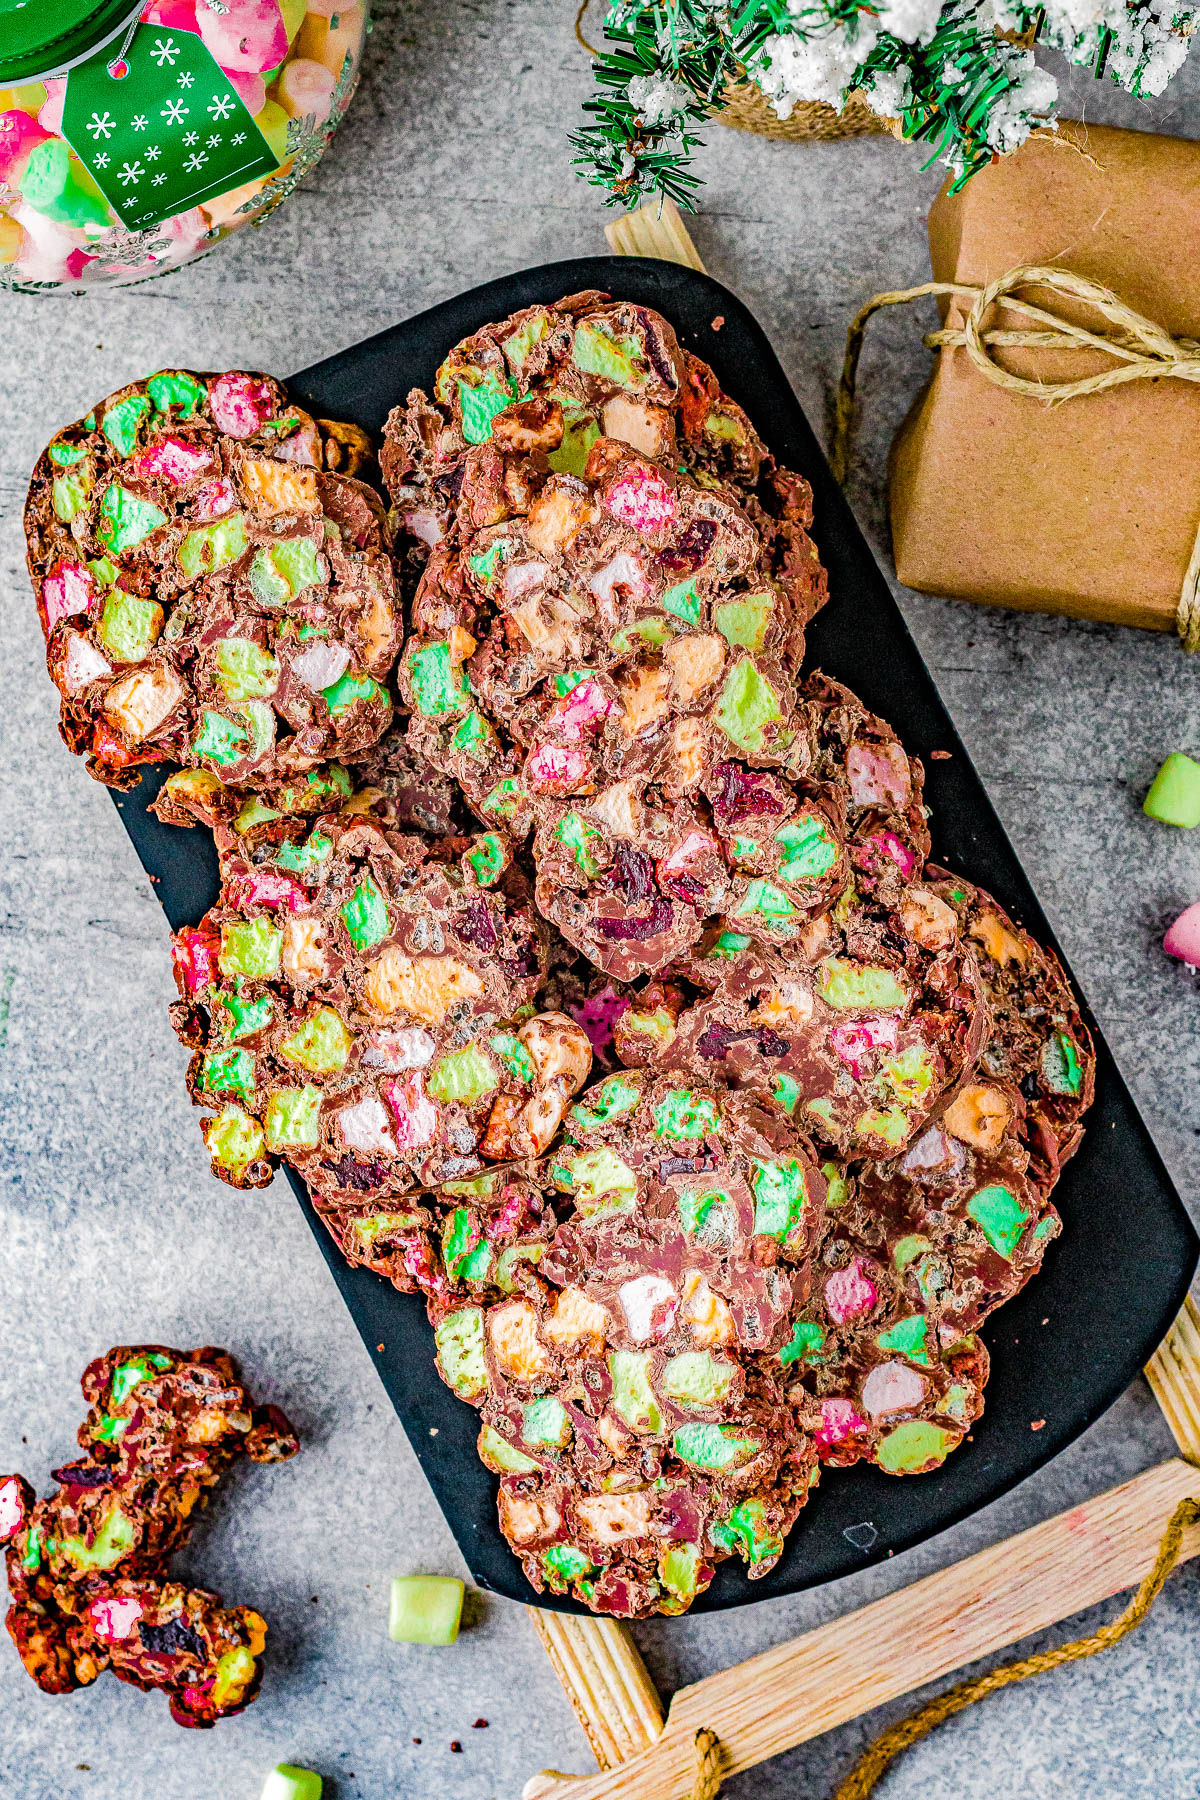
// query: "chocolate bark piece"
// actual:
[[857, 1029], [605, 368], [155, 1635], [1039, 1042], [860, 762], [211, 595], [86, 1566], [361, 1014]]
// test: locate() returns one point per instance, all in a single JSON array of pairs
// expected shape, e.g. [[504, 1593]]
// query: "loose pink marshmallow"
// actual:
[[1183, 938]]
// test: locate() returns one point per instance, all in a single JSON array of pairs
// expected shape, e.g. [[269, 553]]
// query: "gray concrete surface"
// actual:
[[453, 168]]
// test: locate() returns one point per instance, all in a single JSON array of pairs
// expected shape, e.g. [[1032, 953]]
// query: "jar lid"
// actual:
[[45, 37]]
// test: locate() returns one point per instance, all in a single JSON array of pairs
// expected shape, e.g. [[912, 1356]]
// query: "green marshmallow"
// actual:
[[837, 1190], [127, 1376], [234, 1139], [770, 905], [504, 799], [807, 850], [1061, 1068], [69, 495], [804, 1345], [684, 602], [66, 454], [908, 1337], [487, 859], [545, 1422], [114, 1540], [465, 1251], [465, 1076], [578, 836], [120, 423], [597, 352], [251, 948], [648, 633], [220, 739], [915, 1447], [486, 564], [747, 708], [173, 388], [1000, 1216], [579, 434], [56, 184], [425, 1609], [695, 1209], [253, 812], [211, 547], [616, 1095], [707, 1446], [695, 1379], [281, 570], [785, 1091], [495, 1452], [529, 333], [909, 1074], [747, 1531], [744, 622], [848, 985], [292, 1120], [679, 1570], [228, 1072], [506, 1264], [601, 1183], [564, 1563], [299, 859], [473, 736], [632, 1395], [321, 1045], [459, 1339], [129, 627], [365, 915], [245, 671], [125, 520], [438, 686], [1174, 796], [367, 1232], [780, 1197], [682, 1114], [347, 691], [288, 1782], [514, 1056], [481, 404], [726, 946]]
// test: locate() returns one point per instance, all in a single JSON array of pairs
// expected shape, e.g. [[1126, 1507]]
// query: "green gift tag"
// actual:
[[167, 134]]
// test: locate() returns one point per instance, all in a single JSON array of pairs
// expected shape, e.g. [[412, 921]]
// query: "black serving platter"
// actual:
[[1110, 1286]]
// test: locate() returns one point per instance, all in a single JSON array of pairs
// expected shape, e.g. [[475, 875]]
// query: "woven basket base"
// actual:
[[746, 109]]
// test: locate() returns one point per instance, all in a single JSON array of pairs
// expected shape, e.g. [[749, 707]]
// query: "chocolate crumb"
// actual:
[[718, 321], [480, 1725], [1036, 1424], [379, 1346], [455, 1745], [416, 1740], [940, 755]]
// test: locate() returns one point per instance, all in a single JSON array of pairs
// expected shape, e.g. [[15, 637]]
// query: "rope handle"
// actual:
[[866, 1774], [1140, 350]]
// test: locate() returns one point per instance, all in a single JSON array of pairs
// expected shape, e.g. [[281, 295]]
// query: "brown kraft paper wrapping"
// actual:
[[1089, 507]]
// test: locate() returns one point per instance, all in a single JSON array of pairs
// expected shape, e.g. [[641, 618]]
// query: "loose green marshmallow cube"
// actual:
[[425, 1609], [1174, 795], [287, 1782]]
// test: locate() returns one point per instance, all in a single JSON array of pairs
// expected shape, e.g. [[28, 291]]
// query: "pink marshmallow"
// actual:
[[68, 590], [173, 460], [248, 39], [854, 1042], [251, 90], [642, 499], [839, 1421], [50, 113], [584, 706], [695, 845], [1183, 938], [885, 846], [213, 499], [267, 887], [114, 1620], [850, 1292], [194, 955], [551, 765], [238, 404], [12, 1512], [416, 1114], [878, 777], [892, 1387], [20, 135]]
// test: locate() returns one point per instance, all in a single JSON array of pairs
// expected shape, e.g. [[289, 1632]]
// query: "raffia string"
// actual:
[[1139, 349], [874, 1764]]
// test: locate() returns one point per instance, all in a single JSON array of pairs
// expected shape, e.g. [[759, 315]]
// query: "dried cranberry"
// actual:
[[172, 1639], [770, 1043], [661, 917], [361, 1177], [475, 925], [689, 550], [740, 795], [655, 351], [83, 1475], [632, 873]]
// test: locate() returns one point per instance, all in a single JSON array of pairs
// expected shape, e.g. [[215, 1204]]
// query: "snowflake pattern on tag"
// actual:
[[166, 136]]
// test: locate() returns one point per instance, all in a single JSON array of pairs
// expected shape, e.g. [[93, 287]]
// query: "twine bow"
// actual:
[[863, 1778], [1139, 349]]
